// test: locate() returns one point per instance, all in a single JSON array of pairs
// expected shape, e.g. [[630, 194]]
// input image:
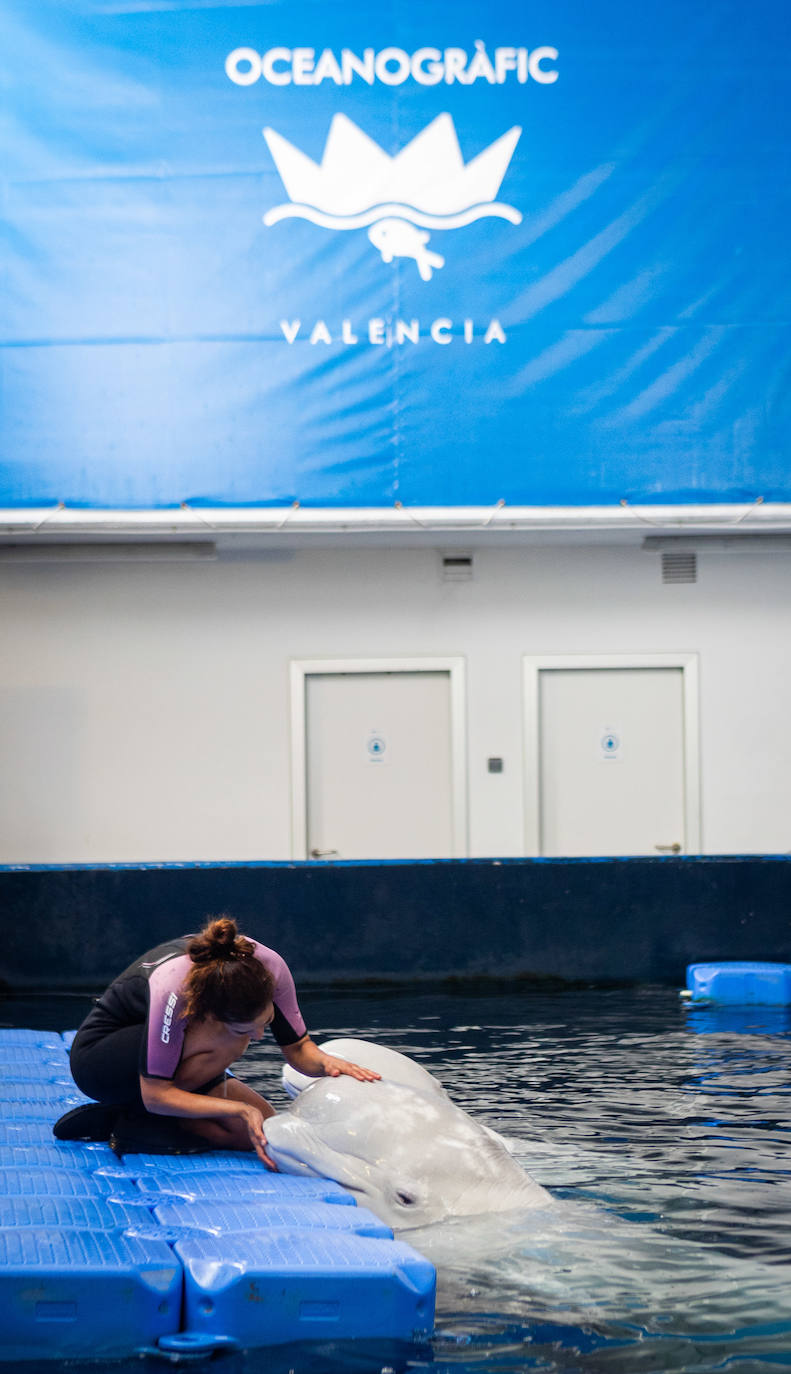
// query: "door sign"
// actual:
[[376, 748], [610, 746]]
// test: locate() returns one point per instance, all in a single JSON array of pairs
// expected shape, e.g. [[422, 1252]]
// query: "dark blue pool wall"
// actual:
[[590, 920]]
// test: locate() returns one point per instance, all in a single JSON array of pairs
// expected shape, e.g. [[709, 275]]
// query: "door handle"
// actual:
[[323, 853], [674, 848]]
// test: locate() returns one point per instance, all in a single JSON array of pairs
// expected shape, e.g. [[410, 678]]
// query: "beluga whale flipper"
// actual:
[[400, 1145]]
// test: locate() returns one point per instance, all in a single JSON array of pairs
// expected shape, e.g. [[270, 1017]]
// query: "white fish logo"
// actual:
[[397, 238], [427, 185]]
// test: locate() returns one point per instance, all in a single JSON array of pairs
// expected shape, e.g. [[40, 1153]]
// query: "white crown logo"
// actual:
[[426, 184]]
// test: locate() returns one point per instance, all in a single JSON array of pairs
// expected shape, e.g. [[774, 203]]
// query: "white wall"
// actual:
[[144, 708]]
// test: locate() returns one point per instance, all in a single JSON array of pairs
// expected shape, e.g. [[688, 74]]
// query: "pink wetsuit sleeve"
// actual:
[[166, 1027], [288, 1026]]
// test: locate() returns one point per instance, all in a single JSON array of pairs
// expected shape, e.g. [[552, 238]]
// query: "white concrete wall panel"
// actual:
[[144, 708]]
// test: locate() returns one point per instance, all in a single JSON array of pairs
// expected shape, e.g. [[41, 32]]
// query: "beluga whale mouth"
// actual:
[[427, 185], [400, 1145]]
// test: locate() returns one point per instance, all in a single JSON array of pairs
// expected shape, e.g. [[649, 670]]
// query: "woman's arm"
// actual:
[[163, 1098], [306, 1057]]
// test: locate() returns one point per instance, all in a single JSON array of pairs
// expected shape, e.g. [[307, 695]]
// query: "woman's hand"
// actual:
[[307, 1058], [254, 1122], [334, 1067]]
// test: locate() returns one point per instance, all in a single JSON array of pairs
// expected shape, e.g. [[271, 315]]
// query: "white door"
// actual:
[[611, 761], [378, 765]]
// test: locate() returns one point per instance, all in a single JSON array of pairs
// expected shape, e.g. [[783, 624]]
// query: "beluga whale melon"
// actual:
[[400, 1145]]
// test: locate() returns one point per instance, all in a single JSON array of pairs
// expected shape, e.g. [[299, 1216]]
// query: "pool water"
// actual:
[[662, 1132]]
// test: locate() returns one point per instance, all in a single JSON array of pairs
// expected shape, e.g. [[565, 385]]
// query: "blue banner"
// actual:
[[444, 254]]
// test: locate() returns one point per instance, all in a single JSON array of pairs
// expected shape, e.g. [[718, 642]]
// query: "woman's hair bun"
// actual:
[[219, 940], [226, 981]]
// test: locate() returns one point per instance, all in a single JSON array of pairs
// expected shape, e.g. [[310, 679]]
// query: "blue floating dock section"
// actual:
[[101, 1258], [305, 1284], [739, 984]]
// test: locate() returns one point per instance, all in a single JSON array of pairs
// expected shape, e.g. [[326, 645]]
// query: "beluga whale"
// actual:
[[400, 1145]]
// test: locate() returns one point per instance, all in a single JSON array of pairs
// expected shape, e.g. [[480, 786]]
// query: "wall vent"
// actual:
[[457, 567], [679, 567]]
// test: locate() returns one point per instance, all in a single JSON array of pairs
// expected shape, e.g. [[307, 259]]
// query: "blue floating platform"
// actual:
[[219, 1217], [68, 1213], [258, 1185], [78, 1294], [46, 1110], [26, 1132], [209, 1162], [303, 1285], [57, 1182], [44, 1040], [740, 984], [40, 1073], [33, 1057], [57, 1154], [101, 1258], [60, 1096]]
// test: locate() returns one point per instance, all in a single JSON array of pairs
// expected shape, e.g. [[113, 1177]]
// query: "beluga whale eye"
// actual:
[[407, 1199]]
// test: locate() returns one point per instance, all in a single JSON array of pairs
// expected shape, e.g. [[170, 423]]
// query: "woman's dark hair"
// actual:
[[226, 980]]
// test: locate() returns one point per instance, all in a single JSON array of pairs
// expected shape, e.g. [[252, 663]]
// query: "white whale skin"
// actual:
[[400, 1145]]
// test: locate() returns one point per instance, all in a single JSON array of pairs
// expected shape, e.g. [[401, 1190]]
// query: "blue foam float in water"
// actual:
[[226, 1184], [305, 1284], [68, 1213], [71, 1293], [739, 983], [220, 1217]]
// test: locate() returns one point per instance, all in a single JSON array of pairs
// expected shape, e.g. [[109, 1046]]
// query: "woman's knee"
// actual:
[[106, 1067], [242, 1092], [223, 1135]]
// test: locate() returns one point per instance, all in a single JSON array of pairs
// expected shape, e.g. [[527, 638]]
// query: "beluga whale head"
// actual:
[[399, 1145]]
